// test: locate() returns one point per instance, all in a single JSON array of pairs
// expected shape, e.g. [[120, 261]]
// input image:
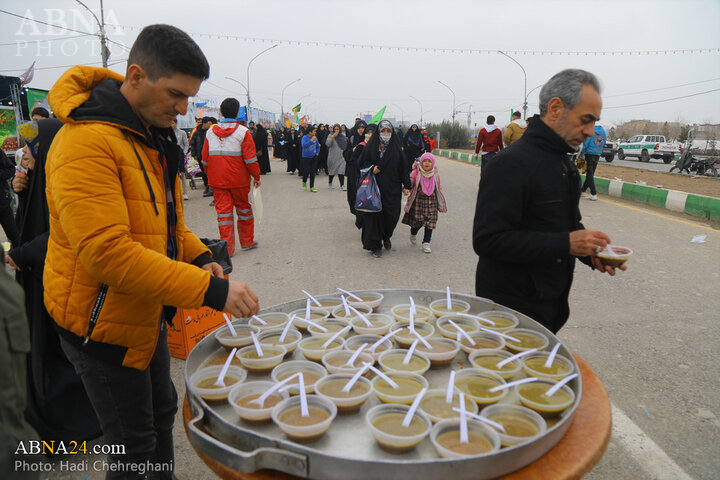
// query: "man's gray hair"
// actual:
[[566, 85]]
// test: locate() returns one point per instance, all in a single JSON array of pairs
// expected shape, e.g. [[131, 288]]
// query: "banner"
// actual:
[[36, 98], [8, 129]]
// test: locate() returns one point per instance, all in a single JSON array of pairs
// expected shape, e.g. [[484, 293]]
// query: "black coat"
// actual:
[[261, 145], [527, 205]]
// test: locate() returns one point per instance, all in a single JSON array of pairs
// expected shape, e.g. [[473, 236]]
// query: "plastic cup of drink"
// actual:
[[487, 360], [476, 385], [447, 329], [521, 424], [331, 387], [534, 366], [339, 311], [313, 348], [312, 372], [442, 353], [385, 422], [372, 299], [434, 404], [393, 361], [287, 415], [272, 338], [331, 325], [439, 307], [271, 358], [532, 396], [503, 320], [336, 362], [353, 343], [272, 320], [483, 341], [241, 339], [404, 338], [401, 313], [381, 324], [409, 385], [529, 339], [242, 395], [482, 440], [202, 382], [316, 315]]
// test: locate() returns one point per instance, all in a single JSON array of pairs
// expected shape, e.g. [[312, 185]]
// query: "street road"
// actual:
[[656, 165], [650, 333]]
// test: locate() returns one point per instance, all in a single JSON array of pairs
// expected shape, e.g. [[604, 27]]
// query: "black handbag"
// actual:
[[219, 250]]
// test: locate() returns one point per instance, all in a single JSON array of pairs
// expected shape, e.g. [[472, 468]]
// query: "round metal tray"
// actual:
[[348, 451]]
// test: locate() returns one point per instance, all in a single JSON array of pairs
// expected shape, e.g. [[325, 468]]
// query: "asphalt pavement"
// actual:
[[649, 333]]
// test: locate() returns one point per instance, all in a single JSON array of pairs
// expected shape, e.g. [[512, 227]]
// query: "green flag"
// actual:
[[378, 116], [296, 108]]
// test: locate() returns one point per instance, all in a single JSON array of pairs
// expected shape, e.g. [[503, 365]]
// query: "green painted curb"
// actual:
[[702, 206], [644, 194]]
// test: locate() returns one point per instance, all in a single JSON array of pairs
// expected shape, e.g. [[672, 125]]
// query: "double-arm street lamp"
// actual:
[[282, 97], [453, 94], [525, 74], [421, 109], [248, 75]]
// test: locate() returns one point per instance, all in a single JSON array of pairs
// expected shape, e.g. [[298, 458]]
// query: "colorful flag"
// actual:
[[27, 77], [296, 108], [378, 116]]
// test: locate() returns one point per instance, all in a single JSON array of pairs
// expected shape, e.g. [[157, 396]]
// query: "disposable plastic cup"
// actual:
[[353, 343], [447, 329], [202, 382], [316, 315], [339, 311], [380, 322], [272, 338], [372, 299], [483, 341], [402, 313], [622, 255], [482, 440], [439, 307], [521, 424], [312, 372], [313, 348], [434, 404], [287, 415], [487, 361], [241, 339], [328, 302], [442, 353], [272, 320], [385, 422], [503, 321], [336, 361], [331, 326], [476, 384], [331, 387], [409, 385], [242, 395], [404, 338], [532, 395], [528, 339], [393, 361], [271, 358], [534, 366]]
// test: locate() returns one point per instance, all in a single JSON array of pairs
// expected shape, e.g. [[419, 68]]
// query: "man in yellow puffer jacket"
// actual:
[[120, 256]]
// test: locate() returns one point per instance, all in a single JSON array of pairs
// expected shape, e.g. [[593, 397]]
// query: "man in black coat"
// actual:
[[527, 229], [196, 145]]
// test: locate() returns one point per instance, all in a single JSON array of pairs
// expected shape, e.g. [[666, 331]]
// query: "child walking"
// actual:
[[425, 201]]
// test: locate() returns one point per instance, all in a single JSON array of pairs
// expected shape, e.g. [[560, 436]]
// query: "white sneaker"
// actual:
[[592, 197], [330, 185], [343, 188], [413, 239], [426, 248], [185, 196]]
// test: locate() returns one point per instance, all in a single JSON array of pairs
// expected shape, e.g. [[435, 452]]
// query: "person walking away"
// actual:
[[426, 199], [515, 129], [489, 141], [261, 143], [57, 404], [413, 144], [591, 150], [336, 144], [292, 145], [120, 257], [308, 163], [322, 135], [7, 220], [231, 158], [196, 145], [356, 144], [384, 153], [14, 347], [527, 231], [184, 145]]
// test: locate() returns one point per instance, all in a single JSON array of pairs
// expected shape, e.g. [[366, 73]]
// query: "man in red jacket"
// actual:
[[490, 140], [231, 157]]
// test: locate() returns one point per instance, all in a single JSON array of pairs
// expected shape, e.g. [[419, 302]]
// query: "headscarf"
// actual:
[[341, 139], [377, 150], [355, 136], [427, 179], [414, 137]]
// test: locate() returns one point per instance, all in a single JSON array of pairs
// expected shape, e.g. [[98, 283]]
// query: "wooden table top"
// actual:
[[579, 450]]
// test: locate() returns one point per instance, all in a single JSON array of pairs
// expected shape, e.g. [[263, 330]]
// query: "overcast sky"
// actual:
[[343, 82]]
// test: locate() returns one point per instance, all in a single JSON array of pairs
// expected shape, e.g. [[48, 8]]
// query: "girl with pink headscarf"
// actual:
[[425, 201]]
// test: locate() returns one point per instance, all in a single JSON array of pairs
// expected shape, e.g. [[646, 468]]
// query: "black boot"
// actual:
[[207, 192]]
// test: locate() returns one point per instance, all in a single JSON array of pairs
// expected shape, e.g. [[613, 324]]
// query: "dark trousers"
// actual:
[[203, 175], [341, 179], [592, 163], [486, 157], [427, 234], [7, 221], [308, 167], [135, 408]]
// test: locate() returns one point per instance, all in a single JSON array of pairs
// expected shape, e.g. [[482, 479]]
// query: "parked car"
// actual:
[[645, 147], [609, 151]]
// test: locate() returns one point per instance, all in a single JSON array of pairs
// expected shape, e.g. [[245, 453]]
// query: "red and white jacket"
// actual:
[[229, 156]]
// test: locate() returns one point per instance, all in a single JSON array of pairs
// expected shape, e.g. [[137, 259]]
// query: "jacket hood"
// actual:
[[89, 94], [225, 129], [520, 123], [490, 128]]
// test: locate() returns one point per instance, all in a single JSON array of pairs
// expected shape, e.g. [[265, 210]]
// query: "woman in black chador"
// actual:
[[260, 137], [413, 144], [384, 153], [57, 404], [352, 156], [292, 149]]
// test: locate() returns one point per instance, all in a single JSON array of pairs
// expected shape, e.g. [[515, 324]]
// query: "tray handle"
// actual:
[[246, 462]]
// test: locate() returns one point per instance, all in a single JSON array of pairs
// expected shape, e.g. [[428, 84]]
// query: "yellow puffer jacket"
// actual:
[[107, 253], [514, 131]]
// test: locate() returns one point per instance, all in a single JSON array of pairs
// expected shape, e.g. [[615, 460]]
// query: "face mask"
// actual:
[[385, 137]]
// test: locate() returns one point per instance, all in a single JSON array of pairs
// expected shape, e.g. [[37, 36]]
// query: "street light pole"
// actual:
[[402, 112], [453, 94], [421, 109], [528, 93], [525, 74], [282, 98], [104, 52], [238, 81], [247, 113]]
